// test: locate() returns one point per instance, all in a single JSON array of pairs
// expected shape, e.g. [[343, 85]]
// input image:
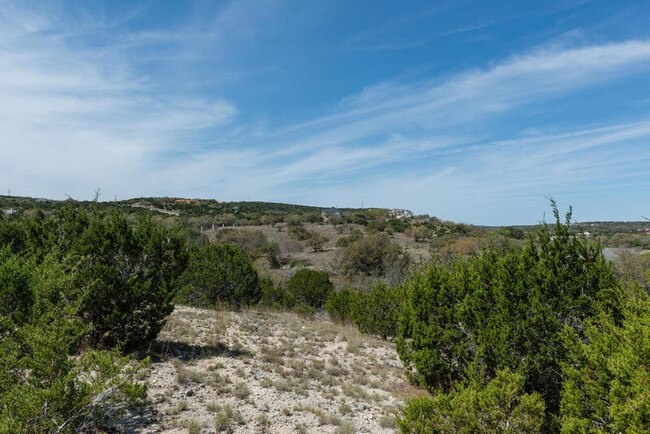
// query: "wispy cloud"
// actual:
[[76, 117], [71, 119]]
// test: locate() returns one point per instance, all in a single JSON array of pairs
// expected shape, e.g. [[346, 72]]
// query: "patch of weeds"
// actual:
[[225, 417], [182, 374], [272, 355], [283, 385], [388, 421], [361, 380], [315, 374], [318, 364], [354, 341], [215, 366], [336, 371], [264, 422], [194, 426], [220, 325], [346, 427], [301, 428], [325, 418], [266, 382], [241, 390], [344, 408], [222, 383], [330, 393], [286, 411], [354, 391], [298, 368], [181, 406], [299, 386]]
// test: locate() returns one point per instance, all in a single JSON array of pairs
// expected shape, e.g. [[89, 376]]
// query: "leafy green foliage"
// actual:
[[299, 233], [133, 273], [355, 235], [308, 287], [501, 405], [272, 295], [376, 311], [340, 304], [371, 255], [606, 373], [317, 242], [16, 295], [497, 311], [420, 233], [220, 273], [124, 275], [42, 388]]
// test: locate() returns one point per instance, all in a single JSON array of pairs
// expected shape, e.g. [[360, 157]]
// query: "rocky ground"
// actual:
[[257, 371]]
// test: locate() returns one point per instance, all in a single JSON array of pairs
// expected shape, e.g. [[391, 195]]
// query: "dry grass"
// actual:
[[274, 371]]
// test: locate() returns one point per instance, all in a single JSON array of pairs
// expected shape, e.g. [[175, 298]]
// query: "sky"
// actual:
[[472, 111]]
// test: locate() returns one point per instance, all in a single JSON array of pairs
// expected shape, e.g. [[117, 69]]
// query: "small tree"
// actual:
[[500, 311], [299, 233], [124, 274], [340, 304], [317, 242], [376, 311], [220, 273], [370, 255], [309, 287]]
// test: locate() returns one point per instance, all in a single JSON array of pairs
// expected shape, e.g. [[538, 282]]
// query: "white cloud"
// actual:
[[73, 119]]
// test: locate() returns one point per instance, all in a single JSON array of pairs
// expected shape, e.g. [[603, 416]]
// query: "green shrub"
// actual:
[[501, 405], [500, 311], [220, 273], [355, 235], [124, 275], [131, 273], [308, 287], [371, 255], [606, 374], [317, 242], [305, 311], [272, 296], [340, 304], [376, 311], [43, 388], [254, 243], [16, 294], [299, 233]]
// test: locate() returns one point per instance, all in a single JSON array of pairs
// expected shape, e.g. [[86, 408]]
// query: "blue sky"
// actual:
[[467, 110]]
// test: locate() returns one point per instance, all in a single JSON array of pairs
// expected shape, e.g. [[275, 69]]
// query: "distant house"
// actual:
[[9, 211], [329, 212], [400, 213]]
